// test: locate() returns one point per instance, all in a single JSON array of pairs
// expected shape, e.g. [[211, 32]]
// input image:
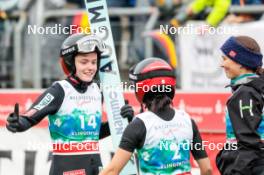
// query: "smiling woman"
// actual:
[[231, 68], [242, 62], [74, 108], [86, 66]]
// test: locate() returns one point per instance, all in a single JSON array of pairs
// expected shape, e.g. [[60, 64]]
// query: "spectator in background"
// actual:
[[110, 3], [241, 17], [7, 7], [50, 44], [167, 8], [198, 10], [116, 23], [79, 3], [123, 3]]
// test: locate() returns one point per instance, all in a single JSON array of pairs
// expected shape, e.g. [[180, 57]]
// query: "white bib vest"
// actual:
[[75, 127], [166, 150]]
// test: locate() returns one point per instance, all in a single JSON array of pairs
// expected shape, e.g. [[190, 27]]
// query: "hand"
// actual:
[[15, 123], [189, 11], [127, 112], [234, 19], [13, 119], [230, 19]]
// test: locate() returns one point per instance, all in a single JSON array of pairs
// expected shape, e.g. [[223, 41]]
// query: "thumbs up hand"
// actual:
[[15, 123]]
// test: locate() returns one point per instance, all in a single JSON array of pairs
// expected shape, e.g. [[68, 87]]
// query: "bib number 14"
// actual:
[[91, 121]]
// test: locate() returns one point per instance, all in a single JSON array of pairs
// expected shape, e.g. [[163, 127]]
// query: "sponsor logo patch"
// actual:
[[75, 172], [44, 102], [232, 53]]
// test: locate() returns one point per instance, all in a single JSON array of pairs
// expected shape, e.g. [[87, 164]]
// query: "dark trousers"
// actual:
[[70, 164], [233, 162]]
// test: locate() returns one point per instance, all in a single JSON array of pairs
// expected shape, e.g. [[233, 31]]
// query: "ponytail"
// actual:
[[158, 102], [260, 71]]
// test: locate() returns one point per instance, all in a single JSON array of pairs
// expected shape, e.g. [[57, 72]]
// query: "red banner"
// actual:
[[207, 109], [9, 98]]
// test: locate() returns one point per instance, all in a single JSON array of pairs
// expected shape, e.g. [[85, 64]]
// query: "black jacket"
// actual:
[[51, 108], [246, 124], [245, 109]]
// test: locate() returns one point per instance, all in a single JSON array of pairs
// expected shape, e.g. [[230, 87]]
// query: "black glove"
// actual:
[[127, 112], [16, 123]]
